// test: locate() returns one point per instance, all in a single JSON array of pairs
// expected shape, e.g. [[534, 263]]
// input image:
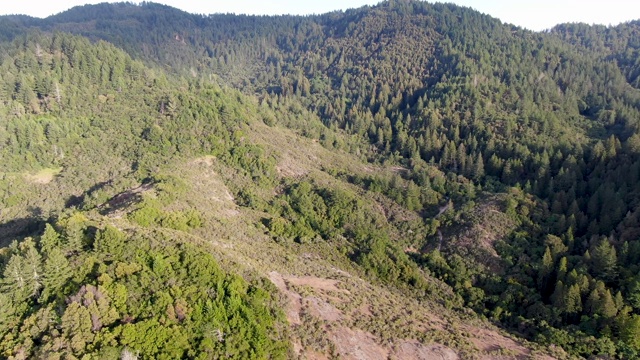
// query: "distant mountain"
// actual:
[[401, 174]]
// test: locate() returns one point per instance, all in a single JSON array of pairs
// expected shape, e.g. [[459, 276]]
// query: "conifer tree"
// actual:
[[574, 300], [110, 241], [604, 261], [33, 269], [478, 168], [7, 313], [546, 268], [56, 273], [562, 268], [630, 331], [559, 297], [50, 239], [15, 281]]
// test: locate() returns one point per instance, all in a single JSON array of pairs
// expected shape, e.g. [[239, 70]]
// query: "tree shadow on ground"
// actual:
[[15, 229]]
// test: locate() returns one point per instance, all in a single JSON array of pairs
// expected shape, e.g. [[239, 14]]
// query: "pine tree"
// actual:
[[56, 273], [75, 240], [545, 269], [574, 300], [619, 301], [630, 331], [412, 198], [14, 281], [633, 295], [593, 302], [7, 313], [604, 261], [608, 307], [572, 277], [600, 302], [478, 168], [562, 268], [559, 297], [49, 239], [74, 229], [33, 270]]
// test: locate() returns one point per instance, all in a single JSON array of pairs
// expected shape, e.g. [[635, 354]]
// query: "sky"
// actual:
[[531, 14]]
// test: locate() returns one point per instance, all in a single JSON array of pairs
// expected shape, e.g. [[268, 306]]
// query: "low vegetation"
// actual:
[[158, 166]]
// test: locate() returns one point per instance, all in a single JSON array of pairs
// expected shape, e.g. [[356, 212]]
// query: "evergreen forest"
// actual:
[[405, 180]]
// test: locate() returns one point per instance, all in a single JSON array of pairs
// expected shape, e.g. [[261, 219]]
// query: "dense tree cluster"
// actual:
[[79, 290], [465, 106]]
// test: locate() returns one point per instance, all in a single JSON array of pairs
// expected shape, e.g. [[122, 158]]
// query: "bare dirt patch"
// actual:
[[316, 283], [295, 300], [214, 196], [331, 309], [287, 167], [364, 309], [357, 345], [317, 307], [313, 355], [43, 176], [415, 350], [349, 343], [322, 309], [307, 354], [492, 344], [298, 156], [485, 224], [206, 160], [399, 169]]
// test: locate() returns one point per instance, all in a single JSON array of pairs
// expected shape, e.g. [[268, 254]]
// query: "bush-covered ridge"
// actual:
[[81, 289], [470, 114]]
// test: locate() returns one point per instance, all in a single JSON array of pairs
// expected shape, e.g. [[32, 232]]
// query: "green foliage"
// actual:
[[146, 215], [307, 212], [56, 272], [152, 295], [455, 103], [110, 241], [149, 214], [604, 261], [50, 239]]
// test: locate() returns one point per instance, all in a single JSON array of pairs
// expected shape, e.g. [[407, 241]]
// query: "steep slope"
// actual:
[[146, 182], [334, 306], [500, 161], [81, 123], [619, 43]]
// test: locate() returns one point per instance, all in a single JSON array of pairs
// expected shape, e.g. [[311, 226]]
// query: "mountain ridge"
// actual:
[[321, 150]]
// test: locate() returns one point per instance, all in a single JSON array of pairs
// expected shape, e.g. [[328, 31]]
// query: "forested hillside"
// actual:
[[425, 148]]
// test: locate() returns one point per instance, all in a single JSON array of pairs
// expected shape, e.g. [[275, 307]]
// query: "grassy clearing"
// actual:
[[44, 176]]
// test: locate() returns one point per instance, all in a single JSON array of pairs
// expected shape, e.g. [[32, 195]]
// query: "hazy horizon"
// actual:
[[533, 15]]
